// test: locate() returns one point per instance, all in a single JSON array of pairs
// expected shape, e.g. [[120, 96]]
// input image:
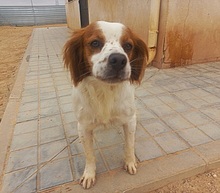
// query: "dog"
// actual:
[[105, 61]]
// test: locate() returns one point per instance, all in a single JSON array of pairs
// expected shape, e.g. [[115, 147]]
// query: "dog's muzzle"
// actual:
[[116, 68], [117, 61]]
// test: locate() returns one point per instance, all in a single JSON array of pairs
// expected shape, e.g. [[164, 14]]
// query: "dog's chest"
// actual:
[[105, 103]]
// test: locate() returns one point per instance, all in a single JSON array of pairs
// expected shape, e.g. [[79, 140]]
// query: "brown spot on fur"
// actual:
[[137, 55], [78, 51]]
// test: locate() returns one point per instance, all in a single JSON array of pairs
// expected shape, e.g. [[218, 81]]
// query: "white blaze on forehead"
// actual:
[[111, 31]]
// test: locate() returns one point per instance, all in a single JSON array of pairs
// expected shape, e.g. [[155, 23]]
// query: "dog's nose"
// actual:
[[117, 61]]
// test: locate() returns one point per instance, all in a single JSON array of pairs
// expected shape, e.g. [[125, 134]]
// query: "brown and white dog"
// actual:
[[105, 61]]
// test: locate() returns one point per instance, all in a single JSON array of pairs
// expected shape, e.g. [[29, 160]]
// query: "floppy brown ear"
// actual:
[[139, 60], [73, 57]]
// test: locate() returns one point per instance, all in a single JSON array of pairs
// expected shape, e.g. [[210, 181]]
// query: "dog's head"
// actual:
[[108, 51]]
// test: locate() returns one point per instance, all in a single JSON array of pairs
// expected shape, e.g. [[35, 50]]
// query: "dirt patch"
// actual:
[[13, 42], [204, 183]]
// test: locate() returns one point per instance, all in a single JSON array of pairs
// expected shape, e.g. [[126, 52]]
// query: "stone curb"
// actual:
[[9, 118]]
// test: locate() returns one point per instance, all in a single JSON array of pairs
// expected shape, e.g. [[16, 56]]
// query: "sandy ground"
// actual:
[[13, 42], [204, 183]]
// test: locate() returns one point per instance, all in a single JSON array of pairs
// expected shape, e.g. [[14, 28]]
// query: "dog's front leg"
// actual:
[[86, 137], [130, 161]]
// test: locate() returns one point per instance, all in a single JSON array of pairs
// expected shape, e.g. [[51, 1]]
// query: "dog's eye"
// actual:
[[127, 47], [95, 44]]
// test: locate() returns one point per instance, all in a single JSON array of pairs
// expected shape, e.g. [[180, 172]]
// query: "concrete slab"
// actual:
[[178, 130]]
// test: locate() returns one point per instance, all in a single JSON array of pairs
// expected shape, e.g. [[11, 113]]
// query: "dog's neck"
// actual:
[[102, 97]]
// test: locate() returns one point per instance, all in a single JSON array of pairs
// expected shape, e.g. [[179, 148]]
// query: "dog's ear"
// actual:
[[139, 60], [73, 57]]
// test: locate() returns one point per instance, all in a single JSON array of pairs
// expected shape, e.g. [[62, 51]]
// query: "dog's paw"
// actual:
[[87, 180], [131, 167]]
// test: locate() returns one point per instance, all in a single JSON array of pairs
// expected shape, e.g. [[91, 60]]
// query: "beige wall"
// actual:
[[72, 14], [190, 32], [133, 13]]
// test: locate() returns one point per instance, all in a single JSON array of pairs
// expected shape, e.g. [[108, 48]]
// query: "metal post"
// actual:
[[33, 12], [84, 14]]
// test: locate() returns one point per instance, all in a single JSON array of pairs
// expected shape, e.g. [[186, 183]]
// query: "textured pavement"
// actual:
[[178, 111]]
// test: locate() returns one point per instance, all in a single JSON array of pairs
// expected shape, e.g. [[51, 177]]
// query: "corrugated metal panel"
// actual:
[[28, 15]]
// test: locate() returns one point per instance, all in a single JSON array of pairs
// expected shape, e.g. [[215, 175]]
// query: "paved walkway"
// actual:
[[178, 132]]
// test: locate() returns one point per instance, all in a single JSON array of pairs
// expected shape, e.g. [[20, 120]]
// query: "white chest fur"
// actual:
[[97, 102]]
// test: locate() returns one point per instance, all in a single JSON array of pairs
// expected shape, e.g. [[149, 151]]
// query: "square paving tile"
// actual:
[[155, 127], [196, 117], [29, 106], [49, 111], [65, 108], [107, 137], [26, 127], [69, 117], [55, 173], [46, 84], [194, 136], [151, 101], [168, 98], [213, 112], [171, 143], [27, 116], [155, 90], [76, 146], [145, 114], [141, 133], [114, 156], [147, 149], [162, 110], [47, 95], [23, 141], [71, 129], [52, 134], [180, 106], [55, 150], [185, 95], [141, 92], [20, 181], [211, 99], [211, 129], [22, 159], [51, 121], [196, 103], [177, 122], [30, 92], [49, 103], [63, 93], [65, 99], [27, 99]]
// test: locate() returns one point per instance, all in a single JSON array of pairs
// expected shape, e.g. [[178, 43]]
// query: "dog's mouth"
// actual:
[[114, 77], [112, 80]]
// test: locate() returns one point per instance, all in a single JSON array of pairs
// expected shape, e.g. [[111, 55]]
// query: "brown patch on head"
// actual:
[[137, 53], [78, 50], [94, 40]]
